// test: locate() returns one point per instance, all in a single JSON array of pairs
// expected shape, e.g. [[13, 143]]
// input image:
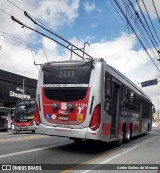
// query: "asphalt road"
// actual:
[[28, 148]]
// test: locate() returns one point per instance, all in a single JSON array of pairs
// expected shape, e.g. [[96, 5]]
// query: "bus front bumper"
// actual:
[[24, 128]]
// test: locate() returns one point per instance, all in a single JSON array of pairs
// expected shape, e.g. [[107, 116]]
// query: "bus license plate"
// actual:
[[64, 118], [23, 128]]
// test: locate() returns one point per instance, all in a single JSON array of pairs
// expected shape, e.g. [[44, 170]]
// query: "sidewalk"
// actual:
[[154, 124], [6, 132]]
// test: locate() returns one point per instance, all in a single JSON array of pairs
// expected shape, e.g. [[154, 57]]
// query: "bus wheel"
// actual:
[[121, 139], [33, 131]]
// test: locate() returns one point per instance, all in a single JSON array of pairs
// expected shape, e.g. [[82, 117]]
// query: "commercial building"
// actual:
[[13, 87]]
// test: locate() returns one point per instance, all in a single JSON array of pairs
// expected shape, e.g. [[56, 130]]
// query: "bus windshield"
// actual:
[[68, 74], [25, 110]]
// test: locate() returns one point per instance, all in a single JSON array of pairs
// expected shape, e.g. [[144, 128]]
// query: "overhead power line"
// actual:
[[144, 27], [146, 23], [25, 46], [156, 10], [150, 20], [40, 24], [135, 34], [32, 17]]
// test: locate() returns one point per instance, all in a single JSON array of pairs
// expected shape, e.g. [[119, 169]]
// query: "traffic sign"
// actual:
[[149, 83]]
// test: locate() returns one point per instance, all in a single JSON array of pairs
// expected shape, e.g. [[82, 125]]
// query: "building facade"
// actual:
[[13, 87]]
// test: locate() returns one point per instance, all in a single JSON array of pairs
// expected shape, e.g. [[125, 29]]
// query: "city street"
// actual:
[[28, 148], [80, 86]]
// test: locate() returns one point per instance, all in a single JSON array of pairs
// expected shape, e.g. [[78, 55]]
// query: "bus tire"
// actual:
[[121, 139], [33, 131]]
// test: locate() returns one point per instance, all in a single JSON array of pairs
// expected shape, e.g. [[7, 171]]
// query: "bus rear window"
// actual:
[[67, 75]]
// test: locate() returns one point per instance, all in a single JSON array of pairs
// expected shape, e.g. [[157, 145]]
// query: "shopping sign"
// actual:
[[149, 83]]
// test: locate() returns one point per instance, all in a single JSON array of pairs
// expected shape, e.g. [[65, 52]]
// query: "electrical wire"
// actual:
[[32, 17], [146, 22], [29, 45], [144, 27], [111, 2], [156, 10], [5, 12], [24, 46], [134, 16], [23, 42], [42, 45], [35, 21], [136, 34], [150, 20]]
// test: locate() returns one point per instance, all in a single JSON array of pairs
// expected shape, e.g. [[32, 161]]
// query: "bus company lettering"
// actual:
[[19, 96], [81, 104]]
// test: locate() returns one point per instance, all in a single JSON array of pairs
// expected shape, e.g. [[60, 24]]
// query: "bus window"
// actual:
[[131, 100], [108, 86], [137, 102], [108, 93], [124, 101]]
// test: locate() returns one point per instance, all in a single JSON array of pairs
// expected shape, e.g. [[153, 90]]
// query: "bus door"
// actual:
[[115, 107]]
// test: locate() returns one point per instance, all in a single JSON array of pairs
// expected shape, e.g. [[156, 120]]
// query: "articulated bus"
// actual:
[[24, 116], [89, 99]]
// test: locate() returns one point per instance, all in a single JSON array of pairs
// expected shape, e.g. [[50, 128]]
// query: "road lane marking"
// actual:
[[103, 154], [118, 155], [110, 159], [90, 160], [21, 138], [32, 150]]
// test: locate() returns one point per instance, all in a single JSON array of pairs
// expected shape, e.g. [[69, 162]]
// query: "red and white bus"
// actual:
[[24, 116], [89, 99]]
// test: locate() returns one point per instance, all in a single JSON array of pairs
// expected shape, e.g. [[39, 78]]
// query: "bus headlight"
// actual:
[[71, 107], [55, 106]]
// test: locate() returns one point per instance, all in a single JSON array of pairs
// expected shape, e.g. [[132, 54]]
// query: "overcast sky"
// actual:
[[93, 21]]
